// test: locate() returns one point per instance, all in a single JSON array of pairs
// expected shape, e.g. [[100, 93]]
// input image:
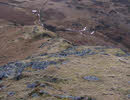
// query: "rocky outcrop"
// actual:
[[67, 72]]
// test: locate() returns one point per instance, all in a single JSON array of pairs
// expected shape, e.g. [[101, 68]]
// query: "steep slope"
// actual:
[[79, 54], [65, 72]]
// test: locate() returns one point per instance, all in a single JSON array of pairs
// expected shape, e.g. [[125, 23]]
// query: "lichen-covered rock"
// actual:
[[12, 70]]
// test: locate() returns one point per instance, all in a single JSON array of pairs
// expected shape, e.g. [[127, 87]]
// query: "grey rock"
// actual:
[[71, 97], [32, 85], [43, 92], [42, 64], [11, 93], [91, 78], [34, 95], [128, 96], [12, 70], [42, 85], [2, 87]]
